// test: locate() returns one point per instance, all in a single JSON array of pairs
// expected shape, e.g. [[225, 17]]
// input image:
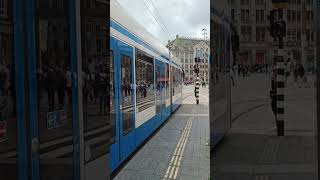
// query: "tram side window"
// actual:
[[179, 81], [111, 98], [127, 94], [167, 82], [173, 79], [144, 81], [158, 88]]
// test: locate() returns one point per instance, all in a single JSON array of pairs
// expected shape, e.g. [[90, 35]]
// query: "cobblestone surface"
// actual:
[[252, 151], [180, 149]]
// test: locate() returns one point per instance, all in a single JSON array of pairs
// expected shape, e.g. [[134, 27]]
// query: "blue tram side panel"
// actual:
[[124, 146]]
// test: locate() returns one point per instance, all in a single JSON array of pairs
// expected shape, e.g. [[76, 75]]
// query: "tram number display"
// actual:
[[56, 119], [3, 131]]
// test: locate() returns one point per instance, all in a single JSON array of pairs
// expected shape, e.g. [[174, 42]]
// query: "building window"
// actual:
[[289, 15], [259, 15], [244, 2], [260, 34], [242, 14], [308, 35], [293, 15], [298, 15], [293, 34], [246, 33], [3, 7], [233, 14], [259, 2], [298, 35]]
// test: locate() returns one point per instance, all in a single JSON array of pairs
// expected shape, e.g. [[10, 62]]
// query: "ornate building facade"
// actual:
[[187, 49], [249, 17]]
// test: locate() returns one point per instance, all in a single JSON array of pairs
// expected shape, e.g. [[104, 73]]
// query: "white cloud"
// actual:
[[182, 17]]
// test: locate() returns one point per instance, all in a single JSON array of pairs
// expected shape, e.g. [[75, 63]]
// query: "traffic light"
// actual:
[[276, 28], [280, 27], [196, 69]]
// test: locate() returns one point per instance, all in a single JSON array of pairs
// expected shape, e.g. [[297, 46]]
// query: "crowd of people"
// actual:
[[7, 91], [245, 70]]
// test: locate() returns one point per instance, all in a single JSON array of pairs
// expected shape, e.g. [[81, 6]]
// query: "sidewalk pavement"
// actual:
[[252, 151], [179, 150]]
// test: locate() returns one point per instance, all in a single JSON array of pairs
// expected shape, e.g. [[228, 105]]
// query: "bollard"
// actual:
[[196, 91], [280, 91]]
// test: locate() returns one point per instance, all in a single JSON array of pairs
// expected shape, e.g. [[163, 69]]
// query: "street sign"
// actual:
[[3, 131], [279, 3], [56, 119]]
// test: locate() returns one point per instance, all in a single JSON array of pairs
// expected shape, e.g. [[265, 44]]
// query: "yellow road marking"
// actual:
[[174, 164]]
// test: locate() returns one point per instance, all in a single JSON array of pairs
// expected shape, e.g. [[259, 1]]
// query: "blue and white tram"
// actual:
[[146, 85]]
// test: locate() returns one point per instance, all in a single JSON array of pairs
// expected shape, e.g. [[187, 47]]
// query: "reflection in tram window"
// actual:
[[54, 90], [167, 82], [97, 99], [144, 81], [173, 79], [127, 95], [111, 99], [158, 88], [8, 121]]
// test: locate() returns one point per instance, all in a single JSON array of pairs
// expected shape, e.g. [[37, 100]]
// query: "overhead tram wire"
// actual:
[[154, 6], [150, 11], [155, 18]]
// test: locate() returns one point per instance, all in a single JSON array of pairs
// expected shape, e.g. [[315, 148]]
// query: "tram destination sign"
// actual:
[[279, 3]]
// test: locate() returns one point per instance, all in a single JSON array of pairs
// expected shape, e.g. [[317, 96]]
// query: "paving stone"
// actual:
[[153, 159]]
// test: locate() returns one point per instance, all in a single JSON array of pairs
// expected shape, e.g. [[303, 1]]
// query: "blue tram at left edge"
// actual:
[[146, 85]]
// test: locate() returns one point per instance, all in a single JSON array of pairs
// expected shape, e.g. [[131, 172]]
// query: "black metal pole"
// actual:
[[280, 84]]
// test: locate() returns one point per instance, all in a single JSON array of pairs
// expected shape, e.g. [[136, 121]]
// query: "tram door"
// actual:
[[123, 63], [160, 90]]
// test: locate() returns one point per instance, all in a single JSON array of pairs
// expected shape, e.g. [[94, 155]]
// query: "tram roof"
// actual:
[[121, 16]]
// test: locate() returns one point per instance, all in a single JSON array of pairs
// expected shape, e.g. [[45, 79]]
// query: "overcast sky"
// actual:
[[182, 17]]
